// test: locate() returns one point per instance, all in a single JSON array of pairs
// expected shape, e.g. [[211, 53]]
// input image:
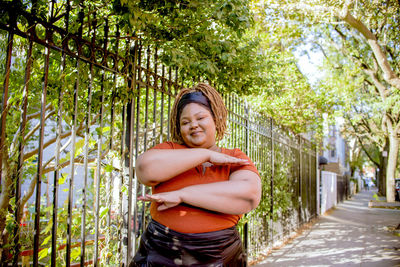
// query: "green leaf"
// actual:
[[67, 158], [124, 189], [43, 253], [92, 142], [109, 168], [75, 253], [62, 179], [48, 209], [103, 211], [46, 240], [48, 228], [79, 147]]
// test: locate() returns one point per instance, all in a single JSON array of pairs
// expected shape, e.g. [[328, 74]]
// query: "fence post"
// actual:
[[300, 181], [36, 236], [3, 114], [86, 146], [272, 182], [318, 183], [246, 227], [4, 100], [310, 204], [19, 176], [73, 147]]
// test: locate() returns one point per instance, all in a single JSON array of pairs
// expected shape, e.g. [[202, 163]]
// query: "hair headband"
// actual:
[[194, 97]]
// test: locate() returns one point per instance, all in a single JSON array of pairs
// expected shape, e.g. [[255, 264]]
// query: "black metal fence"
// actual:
[[287, 165], [81, 100], [343, 188]]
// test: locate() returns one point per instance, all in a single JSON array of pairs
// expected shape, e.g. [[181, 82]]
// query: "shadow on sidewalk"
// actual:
[[349, 235]]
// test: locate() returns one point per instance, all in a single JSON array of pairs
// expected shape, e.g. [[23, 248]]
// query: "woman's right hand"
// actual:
[[218, 158]]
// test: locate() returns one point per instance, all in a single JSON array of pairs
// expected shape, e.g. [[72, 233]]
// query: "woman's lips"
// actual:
[[195, 133]]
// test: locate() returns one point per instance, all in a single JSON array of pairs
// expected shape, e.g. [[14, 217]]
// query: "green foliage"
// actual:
[[206, 39], [283, 194], [353, 74], [376, 197], [62, 228], [218, 41], [287, 95]]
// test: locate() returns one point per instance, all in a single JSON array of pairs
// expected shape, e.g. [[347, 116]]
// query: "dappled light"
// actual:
[[349, 235]]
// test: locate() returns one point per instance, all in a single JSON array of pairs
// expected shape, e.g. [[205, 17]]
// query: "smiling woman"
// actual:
[[200, 190], [197, 126]]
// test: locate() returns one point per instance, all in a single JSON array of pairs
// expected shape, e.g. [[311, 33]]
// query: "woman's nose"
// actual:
[[194, 124]]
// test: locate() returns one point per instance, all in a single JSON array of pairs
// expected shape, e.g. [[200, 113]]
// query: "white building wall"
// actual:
[[328, 191], [341, 147], [335, 146]]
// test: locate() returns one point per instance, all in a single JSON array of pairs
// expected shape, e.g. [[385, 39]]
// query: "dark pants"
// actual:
[[161, 246]]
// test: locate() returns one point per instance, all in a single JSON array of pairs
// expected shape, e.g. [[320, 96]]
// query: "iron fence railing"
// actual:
[[287, 165], [81, 99]]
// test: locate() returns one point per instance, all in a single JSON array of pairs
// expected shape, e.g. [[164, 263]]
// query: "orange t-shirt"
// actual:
[[189, 219]]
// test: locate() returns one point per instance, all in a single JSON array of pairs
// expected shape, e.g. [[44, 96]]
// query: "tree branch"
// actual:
[[6, 182], [344, 14], [383, 92], [34, 129], [29, 117], [389, 75], [49, 142], [37, 114], [54, 139], [361, 143], [61, 150], [372, 73], [76, 160], [32, 186]]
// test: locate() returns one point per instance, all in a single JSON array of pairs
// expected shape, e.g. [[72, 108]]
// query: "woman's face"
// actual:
[[197, 126]]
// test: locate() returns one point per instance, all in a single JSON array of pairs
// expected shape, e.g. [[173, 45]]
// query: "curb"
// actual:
[[383, 204]]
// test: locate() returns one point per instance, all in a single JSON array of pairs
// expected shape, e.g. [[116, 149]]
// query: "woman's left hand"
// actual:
[[165, 200]]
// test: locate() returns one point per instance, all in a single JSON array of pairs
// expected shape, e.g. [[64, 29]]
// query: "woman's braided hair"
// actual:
[[218, 110]]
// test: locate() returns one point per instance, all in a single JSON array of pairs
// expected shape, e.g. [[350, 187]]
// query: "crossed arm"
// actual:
[[240, 194]]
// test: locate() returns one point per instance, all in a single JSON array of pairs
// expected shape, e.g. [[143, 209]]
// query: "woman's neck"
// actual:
[[215, 148]]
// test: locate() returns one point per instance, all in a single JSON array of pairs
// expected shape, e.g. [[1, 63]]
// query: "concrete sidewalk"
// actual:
[[350, 235]]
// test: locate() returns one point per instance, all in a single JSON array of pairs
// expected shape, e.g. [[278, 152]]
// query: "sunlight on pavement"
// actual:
[[349, 235]]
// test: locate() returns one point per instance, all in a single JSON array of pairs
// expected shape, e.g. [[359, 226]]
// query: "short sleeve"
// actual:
[[240, 154], [165, 145], [169, 145]]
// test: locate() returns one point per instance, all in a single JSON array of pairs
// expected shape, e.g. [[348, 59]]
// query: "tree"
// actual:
[[288, 97], [367, 128], [358, 103], [205, 39], [371, 30]]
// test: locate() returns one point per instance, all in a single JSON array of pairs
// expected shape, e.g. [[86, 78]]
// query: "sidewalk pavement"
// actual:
[[349, 235]]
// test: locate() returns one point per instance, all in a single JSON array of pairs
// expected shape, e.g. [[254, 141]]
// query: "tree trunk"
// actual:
[[382, 176], [391, 167], [383, 161], [6, 185], [352, 170]]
